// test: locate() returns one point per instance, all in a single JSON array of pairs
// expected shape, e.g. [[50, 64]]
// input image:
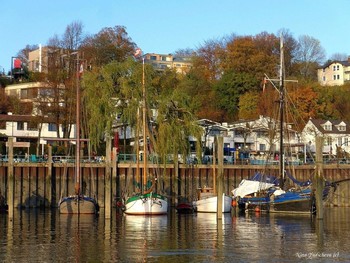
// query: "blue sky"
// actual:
[[164, 26]]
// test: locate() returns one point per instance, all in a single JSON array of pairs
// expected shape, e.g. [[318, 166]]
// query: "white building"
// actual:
[[335, 133], [25, 128]]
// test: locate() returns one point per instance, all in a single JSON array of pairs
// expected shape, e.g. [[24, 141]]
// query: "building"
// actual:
[[38, 60], [334, 73], [336, 134], [25, 128], [182, 64], [245, 138]]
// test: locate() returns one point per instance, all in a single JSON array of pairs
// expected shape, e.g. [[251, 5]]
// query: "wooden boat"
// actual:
[[208, 201], [147, 201], [207, 198], [278, 198], [185, 208], [78, 203]]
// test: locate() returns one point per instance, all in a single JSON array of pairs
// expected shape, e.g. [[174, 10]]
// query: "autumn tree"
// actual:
[[109, 44], [253, 55], [301, 104]]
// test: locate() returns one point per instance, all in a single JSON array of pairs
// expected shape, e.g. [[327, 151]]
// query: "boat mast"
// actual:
[[77, 151], [281, 89], [144, 125]]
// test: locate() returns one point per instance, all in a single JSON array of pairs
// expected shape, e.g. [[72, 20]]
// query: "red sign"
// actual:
[[17, 63]]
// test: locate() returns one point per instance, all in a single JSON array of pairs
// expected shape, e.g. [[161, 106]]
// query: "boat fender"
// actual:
[[234, 203]]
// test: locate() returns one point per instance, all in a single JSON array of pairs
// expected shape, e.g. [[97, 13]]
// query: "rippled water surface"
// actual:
[[46, 236]]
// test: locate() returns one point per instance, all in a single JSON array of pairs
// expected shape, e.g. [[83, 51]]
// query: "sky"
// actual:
[[164, 26]]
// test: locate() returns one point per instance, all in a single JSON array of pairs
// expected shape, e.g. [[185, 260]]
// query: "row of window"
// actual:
[[335, 77], [30, 126]]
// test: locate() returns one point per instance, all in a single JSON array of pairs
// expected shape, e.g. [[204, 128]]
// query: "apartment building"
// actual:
[[161, 62], [334, 73]]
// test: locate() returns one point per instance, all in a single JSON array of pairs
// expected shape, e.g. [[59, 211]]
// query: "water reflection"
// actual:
[[47, 236]]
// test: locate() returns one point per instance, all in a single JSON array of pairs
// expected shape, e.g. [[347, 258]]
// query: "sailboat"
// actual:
[[78, 203], [148, 201], [266, 193], [207, 198]]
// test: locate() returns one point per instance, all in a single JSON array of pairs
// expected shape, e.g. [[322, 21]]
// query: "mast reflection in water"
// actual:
[[47, 236]]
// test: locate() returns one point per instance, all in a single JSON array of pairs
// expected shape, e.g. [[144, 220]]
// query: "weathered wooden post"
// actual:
[[175, 182], [11, 179], [319, 179], [49, 185], [114, 174], [219, 178], [108, 178]]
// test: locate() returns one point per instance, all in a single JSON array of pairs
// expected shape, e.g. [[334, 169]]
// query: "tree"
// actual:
[[253, 55], [301, 104], [309, 55], [109, 91], [248, 105], [23, 54], [339, 57], [73, 36], [110, 44], [229, 89]]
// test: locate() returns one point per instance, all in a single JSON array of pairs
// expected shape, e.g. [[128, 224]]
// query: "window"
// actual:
[[340, 141], [334, 68], [31, 126], [327, 127], [341, 128], [324, 78], [329, 141], [334, 77], [262, 147], [20, 125], [338, 76], [337, 67], [153, 57], [346, 141], [52, 127]]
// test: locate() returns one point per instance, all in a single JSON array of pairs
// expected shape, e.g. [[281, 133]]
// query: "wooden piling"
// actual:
[[11, 179], [108, 179], [319, 179], [219, 177]]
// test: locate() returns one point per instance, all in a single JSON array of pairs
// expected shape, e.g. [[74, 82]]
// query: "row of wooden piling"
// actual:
[[110, 181]]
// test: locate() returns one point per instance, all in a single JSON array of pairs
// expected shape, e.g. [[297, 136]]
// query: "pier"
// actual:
[[41, 184]]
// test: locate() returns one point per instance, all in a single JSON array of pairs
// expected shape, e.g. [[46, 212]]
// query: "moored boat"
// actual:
[[78, 203], [146, 204], [208, 201], [147, 201], [278, 197]]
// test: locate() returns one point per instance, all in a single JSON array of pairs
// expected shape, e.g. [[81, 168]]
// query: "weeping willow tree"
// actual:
[[110, 91], [176, 124], [116, 89]]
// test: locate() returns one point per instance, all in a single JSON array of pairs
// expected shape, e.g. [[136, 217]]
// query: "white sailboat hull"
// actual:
[[146, 204], [209, 204]]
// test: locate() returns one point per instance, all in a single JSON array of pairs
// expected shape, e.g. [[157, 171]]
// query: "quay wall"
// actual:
[[42, 184]]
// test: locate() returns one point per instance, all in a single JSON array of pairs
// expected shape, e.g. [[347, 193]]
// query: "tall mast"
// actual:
[[144, 124], [281, 89], [77, 154]]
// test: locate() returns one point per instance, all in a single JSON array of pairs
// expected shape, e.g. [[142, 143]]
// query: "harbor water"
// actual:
[[46, 236]]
